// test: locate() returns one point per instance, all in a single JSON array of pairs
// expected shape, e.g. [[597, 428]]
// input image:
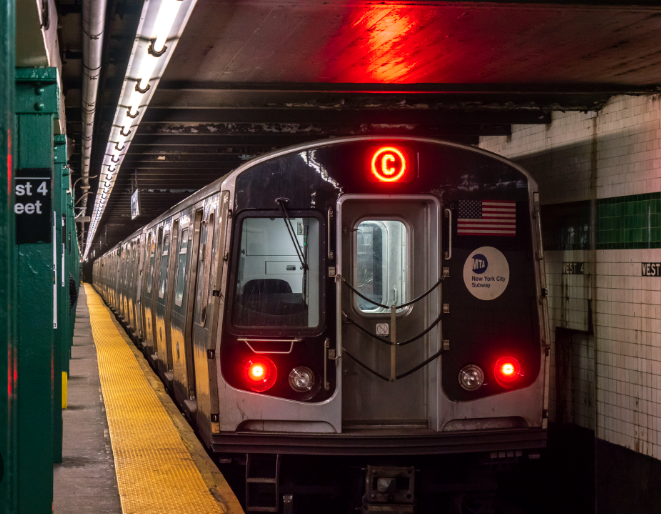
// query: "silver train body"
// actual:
[[244, 298]]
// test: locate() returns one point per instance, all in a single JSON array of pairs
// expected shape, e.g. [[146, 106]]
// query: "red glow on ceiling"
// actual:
[[388, 164]]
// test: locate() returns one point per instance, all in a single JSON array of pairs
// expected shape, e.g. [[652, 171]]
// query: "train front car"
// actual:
[[385, 302]]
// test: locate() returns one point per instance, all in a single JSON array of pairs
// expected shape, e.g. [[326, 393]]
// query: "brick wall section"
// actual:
[[618, 153]]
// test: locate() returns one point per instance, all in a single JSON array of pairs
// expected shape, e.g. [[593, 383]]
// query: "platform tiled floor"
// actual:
[[127, 449], [85, 481]]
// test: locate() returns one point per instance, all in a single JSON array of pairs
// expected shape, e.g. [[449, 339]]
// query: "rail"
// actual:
[[393, 331]]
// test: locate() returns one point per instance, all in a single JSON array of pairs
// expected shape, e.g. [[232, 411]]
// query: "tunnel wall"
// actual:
[[599, 175]]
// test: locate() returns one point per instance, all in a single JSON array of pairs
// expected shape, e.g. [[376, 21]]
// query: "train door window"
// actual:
[[273, 288], [151, 264], [132, 270], [181, 268], [200, 300], [164, 266], [381, 272]]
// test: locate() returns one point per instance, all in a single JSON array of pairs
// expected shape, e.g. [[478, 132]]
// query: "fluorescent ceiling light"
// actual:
[[161, 25]]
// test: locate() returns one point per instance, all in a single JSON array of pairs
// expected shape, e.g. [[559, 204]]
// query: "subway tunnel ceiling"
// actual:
[[248, 77]]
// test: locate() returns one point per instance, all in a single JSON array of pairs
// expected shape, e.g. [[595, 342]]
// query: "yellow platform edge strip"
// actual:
[[155, 472], [64, 389]]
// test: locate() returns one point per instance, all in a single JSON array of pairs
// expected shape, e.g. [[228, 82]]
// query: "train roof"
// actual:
[[217, 185]]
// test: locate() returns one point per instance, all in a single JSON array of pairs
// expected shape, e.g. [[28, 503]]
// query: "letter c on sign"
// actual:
[[388, 164]]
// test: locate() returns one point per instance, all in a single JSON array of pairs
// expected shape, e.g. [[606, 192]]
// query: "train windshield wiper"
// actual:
[[290, 228]]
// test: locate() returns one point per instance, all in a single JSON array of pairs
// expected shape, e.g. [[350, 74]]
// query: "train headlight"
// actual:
[[301, 379], [507, 371], [471, 377], [260, 373]]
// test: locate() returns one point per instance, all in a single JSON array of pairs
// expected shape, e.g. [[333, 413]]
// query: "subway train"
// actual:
[[362, 318]]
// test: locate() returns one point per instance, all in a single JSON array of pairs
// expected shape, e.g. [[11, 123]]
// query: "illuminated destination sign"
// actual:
[[391, 164]]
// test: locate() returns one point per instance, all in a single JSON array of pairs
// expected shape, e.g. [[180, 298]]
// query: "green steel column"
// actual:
[[7, 263], [73, 260], [71, 312], [61, 341], [36, 107]]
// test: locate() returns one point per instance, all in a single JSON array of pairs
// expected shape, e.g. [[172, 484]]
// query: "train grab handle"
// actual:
[[344, 281], [448, 254], [397, 377]]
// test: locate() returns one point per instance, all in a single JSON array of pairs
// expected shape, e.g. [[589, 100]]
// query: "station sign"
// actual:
[[32, 205], [650, 269], [135, 204], [573, 268]]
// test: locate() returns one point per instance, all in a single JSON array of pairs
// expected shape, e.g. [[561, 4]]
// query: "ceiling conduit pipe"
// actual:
[[94, 19]]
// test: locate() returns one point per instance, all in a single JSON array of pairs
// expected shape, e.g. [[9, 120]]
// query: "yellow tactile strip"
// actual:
[[155, 472]]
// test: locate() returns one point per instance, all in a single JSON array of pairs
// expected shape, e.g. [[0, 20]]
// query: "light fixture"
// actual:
[[301, 379], [471, 377], [167, 13], [388, 164], [161, 24], [507, 371], [261, 373]]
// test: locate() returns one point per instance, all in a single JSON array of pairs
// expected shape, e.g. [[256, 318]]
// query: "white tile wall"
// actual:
[[618, 153]]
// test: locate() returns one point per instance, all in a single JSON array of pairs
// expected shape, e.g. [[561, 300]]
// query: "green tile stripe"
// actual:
[[629, 222]]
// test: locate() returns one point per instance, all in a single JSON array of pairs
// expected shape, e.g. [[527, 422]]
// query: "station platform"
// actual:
[[127, 448]]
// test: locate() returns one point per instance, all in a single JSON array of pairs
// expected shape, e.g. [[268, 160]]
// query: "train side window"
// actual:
[[164, 266], [273, 289], [381, 264], [151, 266], [181, 268]]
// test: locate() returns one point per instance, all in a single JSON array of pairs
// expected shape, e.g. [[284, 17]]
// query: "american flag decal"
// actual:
[[486, 218]]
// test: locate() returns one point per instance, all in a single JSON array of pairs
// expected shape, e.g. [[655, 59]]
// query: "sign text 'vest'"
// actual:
[[650, 269]]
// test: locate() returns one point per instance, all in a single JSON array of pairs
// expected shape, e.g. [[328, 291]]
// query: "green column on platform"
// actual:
[[36, 107], [61, 336], [8, 432]]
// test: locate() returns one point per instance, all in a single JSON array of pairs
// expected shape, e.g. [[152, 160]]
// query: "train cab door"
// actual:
[[389, 252]]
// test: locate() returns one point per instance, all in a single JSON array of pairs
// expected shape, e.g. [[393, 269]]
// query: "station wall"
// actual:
[[599, 175]]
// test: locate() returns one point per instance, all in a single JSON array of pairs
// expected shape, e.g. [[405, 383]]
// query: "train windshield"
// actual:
[[273, 288]]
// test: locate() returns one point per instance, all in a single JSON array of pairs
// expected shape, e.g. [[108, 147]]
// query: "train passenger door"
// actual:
[[200, 310], [185, 280], [389, 252], [142, 250], [169, 293], [149, 280], [197, 258]]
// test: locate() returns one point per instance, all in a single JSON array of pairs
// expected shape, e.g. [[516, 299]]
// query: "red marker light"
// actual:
[[507, 370], [260, 373], [388, 164]]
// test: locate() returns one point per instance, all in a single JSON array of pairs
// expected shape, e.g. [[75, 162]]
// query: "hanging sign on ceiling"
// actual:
[[135, 204]]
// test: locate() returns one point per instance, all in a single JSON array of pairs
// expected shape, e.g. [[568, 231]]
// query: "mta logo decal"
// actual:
[[480, 263]]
